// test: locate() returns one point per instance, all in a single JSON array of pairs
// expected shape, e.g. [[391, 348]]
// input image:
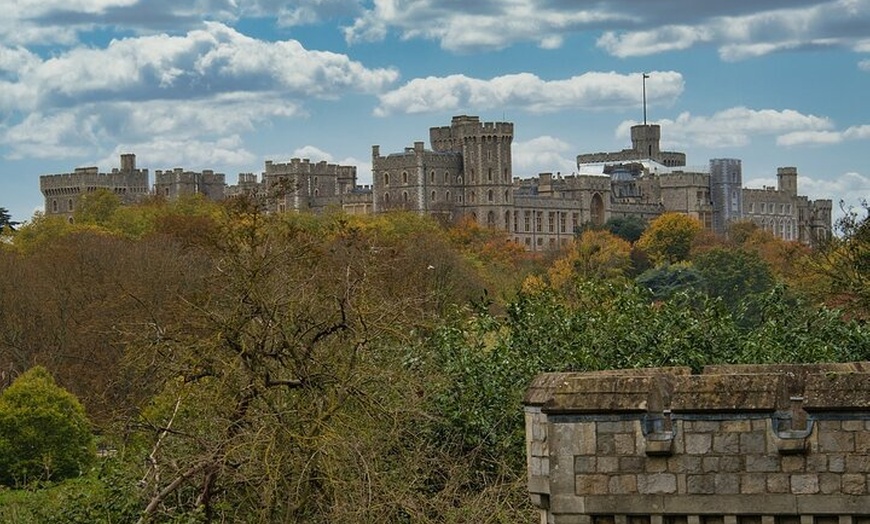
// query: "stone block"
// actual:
[[762, 463], [624, 443], [607, 465], [751, 484], [616, 426], [778, 483], [836, 442], [726, 443], [858, 463], [631, 464], [736, 426], [703, 426], [829, 483], [836, 463], [685, 464], [584, 464], [804, 484], [591, 484], [727, 483], [657, 483], [656, 465], [701, 484], [793, 464], [753, 443], [699, 443], [710, 464], [854, 484], [862, 442], [731, 463], [606, 445], [574, 439], [853, 425], [623, 484], [817, 463]]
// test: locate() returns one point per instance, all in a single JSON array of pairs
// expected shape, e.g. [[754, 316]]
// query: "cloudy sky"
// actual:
[[228, 84]]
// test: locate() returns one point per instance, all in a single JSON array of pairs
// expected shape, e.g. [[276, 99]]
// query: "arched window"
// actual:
[[489, 196], [404, 196], [489, 174], [316, 192], [386, 198], [432, 176], [386, 179], [434, 196], [447, 197], [490, 219], [447, 177], [597, 210], [404, 177], [506, 196], [473, 197]]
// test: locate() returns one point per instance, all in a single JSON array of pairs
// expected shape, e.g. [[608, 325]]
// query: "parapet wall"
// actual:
[[733, 445]]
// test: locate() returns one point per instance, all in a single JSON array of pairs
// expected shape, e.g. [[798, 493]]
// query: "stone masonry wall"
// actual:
[[736, 444]]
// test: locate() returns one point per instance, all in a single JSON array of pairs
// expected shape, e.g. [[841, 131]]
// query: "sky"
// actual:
[[229, 84]]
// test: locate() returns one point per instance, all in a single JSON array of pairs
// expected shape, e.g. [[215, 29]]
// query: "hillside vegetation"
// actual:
[[238, 366]]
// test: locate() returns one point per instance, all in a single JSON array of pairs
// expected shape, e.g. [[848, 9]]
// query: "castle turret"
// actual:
[[786, 180]]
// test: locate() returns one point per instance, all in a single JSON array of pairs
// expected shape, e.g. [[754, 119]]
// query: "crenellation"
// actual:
[[729, 460]]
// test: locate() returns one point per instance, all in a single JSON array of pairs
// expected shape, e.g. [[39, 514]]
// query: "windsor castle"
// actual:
[[467, 172]]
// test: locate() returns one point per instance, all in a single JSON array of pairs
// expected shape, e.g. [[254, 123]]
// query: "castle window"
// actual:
[[506, 196], [490, 219], [386, 198], [447, 197], [54, 206], [316, 192], [489, 174], [315, 181], [763, 207], [459, 196], [404, 177], [539, 221], [404, 196], [527, 221], [489, 156], [562, 222], [507, 220], [432, 177], [551, 222], [434, 196], [489, 196], [473, 197], [447, 177], [386, 179], [507, 177], [69, 205], [166, 192]]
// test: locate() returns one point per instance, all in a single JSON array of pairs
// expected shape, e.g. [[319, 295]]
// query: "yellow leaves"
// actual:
[[597, 254], [669, 238]]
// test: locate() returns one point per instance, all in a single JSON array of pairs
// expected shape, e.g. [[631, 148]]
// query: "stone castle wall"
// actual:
[[734, 445]]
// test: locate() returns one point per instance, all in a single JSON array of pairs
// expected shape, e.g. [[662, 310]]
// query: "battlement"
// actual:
[[304, 166], [776, 442]]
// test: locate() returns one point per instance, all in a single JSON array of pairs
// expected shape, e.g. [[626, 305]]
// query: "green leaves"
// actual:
[[44, 433]]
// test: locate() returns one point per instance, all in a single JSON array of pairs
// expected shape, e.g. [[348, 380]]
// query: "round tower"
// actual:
[[645, 140]]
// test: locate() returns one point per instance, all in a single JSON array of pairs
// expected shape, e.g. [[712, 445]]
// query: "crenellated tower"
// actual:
[[487, 175]]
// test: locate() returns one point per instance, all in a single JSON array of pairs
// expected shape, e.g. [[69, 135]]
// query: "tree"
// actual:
[[669, 238], [44, 432], [666, 280], [6, 220], [595, 254], [96, 207], [733, 274], [629, 228]]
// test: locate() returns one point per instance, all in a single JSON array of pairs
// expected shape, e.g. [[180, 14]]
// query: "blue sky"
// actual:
[[228, 84]]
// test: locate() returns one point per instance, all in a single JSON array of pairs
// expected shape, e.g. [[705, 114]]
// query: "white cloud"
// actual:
[[201, 64], [739, 29], [734, 127], [196, 155], [864, 65], [592, 90], [544, 154], [799, 138]]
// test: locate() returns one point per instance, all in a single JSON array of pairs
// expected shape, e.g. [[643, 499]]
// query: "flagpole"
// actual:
[[645, 76]]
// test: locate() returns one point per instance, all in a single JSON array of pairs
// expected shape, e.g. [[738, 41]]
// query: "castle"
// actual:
[[468, 172]]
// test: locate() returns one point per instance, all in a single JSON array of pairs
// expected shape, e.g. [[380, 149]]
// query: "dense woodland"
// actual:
[[238, 366]]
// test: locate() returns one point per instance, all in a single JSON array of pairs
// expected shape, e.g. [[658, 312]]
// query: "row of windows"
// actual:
[[446, 178], [55, 207], [771, 208], [490, 196], [552, 218]]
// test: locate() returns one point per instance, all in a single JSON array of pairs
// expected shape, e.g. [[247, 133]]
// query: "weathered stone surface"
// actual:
[[726, 463]]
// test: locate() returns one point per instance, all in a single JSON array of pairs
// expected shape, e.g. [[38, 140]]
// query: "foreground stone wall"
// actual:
[[733, 445]]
